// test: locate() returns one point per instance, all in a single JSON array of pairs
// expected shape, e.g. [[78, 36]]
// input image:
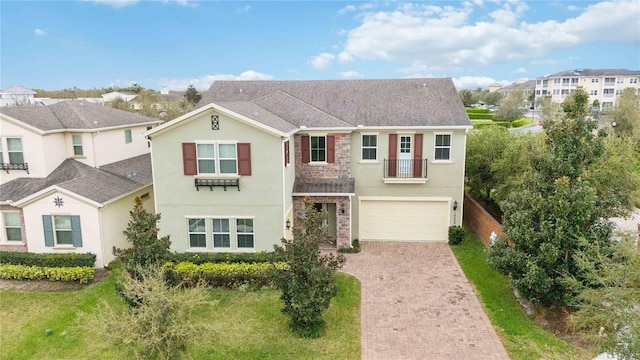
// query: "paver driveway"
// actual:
[[417, 304]]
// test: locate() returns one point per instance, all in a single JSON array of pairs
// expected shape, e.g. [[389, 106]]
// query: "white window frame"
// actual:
[[4, 238], [633, 81], [317, 149], [214, 233], [128, 137], [75, 144], [593, 92], [189, 232], [364, 147], [252, 234], [217, 158], [9, 151], [437, 147], [56, 229]]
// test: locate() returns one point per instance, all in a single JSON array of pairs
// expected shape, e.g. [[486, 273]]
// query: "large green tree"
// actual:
[[192, 95], [626, 114], [512, 107], [562, 203]]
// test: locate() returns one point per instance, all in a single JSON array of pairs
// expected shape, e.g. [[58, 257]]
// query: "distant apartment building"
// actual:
[[17, 96], [604, 85]]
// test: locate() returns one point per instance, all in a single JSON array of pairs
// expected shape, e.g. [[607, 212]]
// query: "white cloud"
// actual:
[[350, 75], [244, 9], [573, 8], [346, 9], [520, 70], [116, 3], [183, 3], [345, 57], [39, 32], [322, 61], [474, 82], [204, 82], [444, 36]]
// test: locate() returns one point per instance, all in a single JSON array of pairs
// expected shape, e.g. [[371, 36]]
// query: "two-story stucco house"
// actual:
[[385, 158], [69, 173]]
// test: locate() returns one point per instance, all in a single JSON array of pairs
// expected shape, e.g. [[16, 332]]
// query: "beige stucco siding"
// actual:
[[115, 217], [260, 196], [89, 224], [445, 179], [110, 146]]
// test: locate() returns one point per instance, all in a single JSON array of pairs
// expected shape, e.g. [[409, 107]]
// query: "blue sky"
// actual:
[[62, 44]]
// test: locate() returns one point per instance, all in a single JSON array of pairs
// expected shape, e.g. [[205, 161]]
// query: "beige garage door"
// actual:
[[400, 220]]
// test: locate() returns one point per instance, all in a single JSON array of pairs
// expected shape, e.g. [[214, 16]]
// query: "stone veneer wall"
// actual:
[[479, 220], [343, 225], [341, 168], [19, 246]]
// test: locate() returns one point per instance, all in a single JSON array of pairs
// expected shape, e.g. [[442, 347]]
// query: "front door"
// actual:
[[405, 156]]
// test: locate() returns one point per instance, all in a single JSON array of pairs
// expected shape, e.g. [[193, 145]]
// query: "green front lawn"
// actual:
[[248, 325], [522, 337]]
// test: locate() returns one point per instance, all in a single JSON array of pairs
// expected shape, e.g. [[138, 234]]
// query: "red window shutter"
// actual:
[[306, 149], [393, 151], [331, 149], [287, 160], [417, 155], [244, 159], [189, 159]]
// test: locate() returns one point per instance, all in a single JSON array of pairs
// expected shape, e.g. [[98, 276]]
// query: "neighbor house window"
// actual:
[[14, 149], [443, 147], [12, 227], [244, 233], [62, 230], [318, 148], [594, 80], [225, 163], [221, 233], [633, 81], [77, 144], [369, 147], [197, 233], [127, 136], [593, 92]]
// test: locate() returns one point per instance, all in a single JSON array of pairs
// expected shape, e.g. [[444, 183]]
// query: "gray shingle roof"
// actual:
[[348, 103], [596, 72], [74, 114], [324, 186], [100, 185]]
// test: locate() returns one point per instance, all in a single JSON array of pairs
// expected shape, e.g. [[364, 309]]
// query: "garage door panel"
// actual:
[[403, 220]]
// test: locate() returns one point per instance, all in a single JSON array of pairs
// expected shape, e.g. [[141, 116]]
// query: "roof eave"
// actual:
[[49, 190]]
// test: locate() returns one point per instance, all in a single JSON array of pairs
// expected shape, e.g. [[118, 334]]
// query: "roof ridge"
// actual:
[[305, 103]]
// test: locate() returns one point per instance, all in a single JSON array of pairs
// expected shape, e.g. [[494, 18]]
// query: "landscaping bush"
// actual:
[[48, 260], [477, 111], [456, 235], [352, 250], [231, 275], [202, 258], [518, 122], [24, 272], [481, 116]]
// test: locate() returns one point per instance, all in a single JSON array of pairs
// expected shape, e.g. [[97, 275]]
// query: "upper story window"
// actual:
[[369, 147], [77, 144], [593, 92], [443, 147], [557, 81], [594, 80], [14, 150], [318, 148], [224, 163], [13, 230], [127, 136], [633, 81]]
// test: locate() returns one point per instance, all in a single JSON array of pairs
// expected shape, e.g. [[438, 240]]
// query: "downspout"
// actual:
[[102, 239]]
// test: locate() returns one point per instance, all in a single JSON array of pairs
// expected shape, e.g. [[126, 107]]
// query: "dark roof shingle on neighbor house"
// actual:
[[324, 186], [346, 103], [100, 185], [74, 115]]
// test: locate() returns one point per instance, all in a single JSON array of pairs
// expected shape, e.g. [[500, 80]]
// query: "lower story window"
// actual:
[[197, 233], [62, 226], [12, 226], [221, 233], [62, 230], [245, 233]]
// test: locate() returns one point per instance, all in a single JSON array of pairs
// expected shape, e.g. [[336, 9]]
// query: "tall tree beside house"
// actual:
[[309, 285], [192, 95], [492, 98], [626, 114], [142, 232], [512, 106], [576, 183]]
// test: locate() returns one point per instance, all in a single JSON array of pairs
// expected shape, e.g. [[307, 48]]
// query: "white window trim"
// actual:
[[213, 233], [216, 158], [9, 151], [81, 145], [233, 234], [4, 240], [362, 148], [55, 232], [442, 161], [237, 233], [128, 131], [189, 232]]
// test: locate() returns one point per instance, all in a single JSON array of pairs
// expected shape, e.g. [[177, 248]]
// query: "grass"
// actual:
[[247, 325], [522, 337]]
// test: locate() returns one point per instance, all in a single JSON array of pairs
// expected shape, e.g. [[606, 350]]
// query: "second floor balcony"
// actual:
[[405, 170]]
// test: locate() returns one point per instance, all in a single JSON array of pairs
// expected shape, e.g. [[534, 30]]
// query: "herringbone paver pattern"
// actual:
[[417, 304]]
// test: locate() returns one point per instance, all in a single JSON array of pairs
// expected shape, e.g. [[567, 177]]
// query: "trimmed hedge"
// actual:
[[82, 274], [489, 116], [477, 111], [505, 124], [48, 260], [202, 258], [231, 275]]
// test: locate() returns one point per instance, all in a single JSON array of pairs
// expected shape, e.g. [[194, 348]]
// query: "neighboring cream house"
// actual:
[[384, 158], [68, 177], [526, 86], [604, 85], [17, 96]]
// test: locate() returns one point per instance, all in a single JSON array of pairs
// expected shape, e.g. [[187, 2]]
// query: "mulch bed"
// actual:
[[43, 285]]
